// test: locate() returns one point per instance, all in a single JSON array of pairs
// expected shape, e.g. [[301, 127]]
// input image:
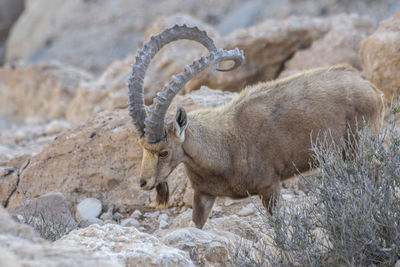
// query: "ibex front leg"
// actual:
[[202, 205]]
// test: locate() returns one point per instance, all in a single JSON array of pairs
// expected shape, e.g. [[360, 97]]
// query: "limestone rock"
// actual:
[[339, 45], [49, 214], [102, 158], [380, 57], [205, 248], [36, 93], [127, 245], [97, 160], [88, 208]]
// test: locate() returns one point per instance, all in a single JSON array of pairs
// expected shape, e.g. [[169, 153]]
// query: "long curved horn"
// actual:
[[154, 123], [136, 97]]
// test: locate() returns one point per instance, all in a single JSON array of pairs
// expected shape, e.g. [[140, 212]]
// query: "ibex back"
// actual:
[[251, 144]]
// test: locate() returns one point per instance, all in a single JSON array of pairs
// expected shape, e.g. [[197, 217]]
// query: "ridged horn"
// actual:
[[154, 122], [137, 108]]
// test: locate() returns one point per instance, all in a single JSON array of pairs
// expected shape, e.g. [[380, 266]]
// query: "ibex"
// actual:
[[248, 146]]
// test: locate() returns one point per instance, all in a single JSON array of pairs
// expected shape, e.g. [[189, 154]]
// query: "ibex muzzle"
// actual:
[[251, 144]]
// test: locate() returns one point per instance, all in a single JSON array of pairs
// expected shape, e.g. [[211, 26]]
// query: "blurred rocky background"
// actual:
[[69, 158]]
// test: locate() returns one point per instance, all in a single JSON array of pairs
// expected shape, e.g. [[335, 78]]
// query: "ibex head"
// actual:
[[162, 141]]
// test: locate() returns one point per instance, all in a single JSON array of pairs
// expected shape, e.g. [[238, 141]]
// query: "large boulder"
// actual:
[[380, 57], [339, 45], [127, 245], [36, 93], [101, 159]]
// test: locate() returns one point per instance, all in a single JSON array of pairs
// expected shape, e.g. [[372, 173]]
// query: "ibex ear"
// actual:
[[180, 124]]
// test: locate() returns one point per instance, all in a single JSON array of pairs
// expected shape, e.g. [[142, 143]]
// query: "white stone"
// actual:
[[88, 208], [164, 224]]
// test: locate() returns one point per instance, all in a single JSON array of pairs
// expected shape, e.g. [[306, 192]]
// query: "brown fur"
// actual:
[[262, 136]]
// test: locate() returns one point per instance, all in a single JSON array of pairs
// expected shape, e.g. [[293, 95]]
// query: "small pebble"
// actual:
[[88, 208], [163, 224]]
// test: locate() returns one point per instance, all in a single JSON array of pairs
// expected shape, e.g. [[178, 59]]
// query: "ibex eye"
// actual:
[[163, 154]]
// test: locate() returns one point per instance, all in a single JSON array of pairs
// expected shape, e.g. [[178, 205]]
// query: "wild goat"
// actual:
[[251, 144]]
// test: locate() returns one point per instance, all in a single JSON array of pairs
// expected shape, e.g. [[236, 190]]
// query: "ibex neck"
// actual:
[[207, 146]]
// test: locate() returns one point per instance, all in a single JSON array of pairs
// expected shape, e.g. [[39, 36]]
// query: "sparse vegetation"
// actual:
[[44, 220], [352, 216]]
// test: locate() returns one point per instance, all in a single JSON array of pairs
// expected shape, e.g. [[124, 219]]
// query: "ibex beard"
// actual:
[[248, 146]]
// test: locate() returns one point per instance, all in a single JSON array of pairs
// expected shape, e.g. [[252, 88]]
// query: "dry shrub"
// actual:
[[351, 216]]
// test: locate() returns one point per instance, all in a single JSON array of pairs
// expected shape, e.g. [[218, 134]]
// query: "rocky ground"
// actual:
[[69, 158]]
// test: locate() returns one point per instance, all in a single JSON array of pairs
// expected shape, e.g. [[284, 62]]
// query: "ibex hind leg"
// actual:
[[270, 196], [202, 205]]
